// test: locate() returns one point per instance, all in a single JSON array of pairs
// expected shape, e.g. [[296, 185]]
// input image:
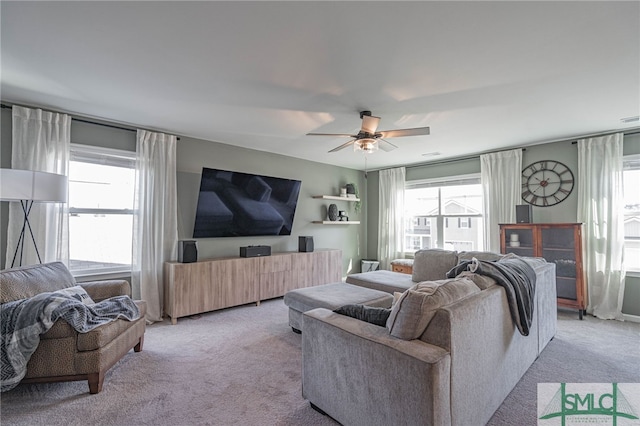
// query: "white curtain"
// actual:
[[600, 199], [391, 221], [41, 142], [155, 223], [501, 191]]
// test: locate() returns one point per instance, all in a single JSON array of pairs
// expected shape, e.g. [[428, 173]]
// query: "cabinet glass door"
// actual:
[[558, 247], [519, 241]]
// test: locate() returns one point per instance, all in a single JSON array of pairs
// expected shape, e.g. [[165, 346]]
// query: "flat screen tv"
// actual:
[[234, 204]]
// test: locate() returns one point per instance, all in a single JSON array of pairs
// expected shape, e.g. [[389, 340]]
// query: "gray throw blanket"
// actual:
[[23, 321], [517, 278]]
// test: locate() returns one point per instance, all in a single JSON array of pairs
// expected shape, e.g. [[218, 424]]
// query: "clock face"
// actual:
[[546, 183]]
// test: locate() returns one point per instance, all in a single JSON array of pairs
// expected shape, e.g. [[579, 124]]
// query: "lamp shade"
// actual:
[[366, 145], [16, 185]]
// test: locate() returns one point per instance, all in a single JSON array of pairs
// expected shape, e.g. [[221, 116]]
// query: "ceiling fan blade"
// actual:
[[404, 132], [386, 145], [370, 123], [343, 146], [346, 135]]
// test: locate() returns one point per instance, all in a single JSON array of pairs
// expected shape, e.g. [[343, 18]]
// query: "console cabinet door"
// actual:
[[233, 282], [276, 277]]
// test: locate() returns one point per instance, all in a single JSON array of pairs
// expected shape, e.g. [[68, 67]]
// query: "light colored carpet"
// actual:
[[242, 366]]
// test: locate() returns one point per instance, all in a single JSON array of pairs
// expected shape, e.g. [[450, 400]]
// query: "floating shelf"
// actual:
[[335, 197], [337, 222]]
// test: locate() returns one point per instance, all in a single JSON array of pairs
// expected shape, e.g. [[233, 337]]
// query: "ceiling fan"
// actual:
[[369, 139]]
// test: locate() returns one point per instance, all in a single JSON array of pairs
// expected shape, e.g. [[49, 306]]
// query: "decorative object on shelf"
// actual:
[[546, 183], [342, 216], [27, 187], [343, 192], [332, 212], [352, 188], [514, 240]]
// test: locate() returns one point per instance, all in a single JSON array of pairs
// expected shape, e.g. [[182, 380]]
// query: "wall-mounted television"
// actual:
[[234, 204]]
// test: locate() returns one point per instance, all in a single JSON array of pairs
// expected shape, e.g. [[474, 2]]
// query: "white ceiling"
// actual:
[[483, 75]]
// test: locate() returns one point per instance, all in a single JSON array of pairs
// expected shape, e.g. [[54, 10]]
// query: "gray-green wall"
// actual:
[[356, 241], [194, 154], [564, 152]]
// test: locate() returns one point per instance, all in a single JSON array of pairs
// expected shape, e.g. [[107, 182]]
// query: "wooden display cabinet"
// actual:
[[559, 243]]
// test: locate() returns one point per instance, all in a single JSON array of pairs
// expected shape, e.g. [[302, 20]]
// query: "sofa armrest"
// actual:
[[100, 290], [358, 374]]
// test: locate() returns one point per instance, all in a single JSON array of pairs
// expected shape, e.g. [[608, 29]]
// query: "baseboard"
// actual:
[[631, 318]]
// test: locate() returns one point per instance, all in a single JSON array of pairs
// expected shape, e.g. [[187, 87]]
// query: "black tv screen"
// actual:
[[234, 204]]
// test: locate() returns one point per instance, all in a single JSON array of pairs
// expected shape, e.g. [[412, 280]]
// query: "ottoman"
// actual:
[[331, 296]]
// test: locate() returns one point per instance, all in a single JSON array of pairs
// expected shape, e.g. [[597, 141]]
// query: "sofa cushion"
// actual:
[[372, 314], [433, 264], [480, 255], [382, 280], [412, 313], [27, 281]]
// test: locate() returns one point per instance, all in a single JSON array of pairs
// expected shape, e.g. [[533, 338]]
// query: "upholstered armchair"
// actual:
[[64, 354]]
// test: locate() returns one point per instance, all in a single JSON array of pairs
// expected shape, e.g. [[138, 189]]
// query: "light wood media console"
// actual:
[[207, 285]]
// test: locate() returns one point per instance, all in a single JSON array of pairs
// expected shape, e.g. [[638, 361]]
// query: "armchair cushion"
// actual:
[[27, 281]]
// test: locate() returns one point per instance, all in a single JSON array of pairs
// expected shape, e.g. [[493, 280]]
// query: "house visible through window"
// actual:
[[444, 214], [101, 187], [631, 182]]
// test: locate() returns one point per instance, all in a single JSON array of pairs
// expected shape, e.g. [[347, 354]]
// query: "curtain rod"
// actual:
[[574, 141], [82, 120]]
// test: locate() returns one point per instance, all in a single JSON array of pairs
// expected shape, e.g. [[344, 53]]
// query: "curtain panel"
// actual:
[[600, 208], [41, 142], [501, 190], [391, 221], [155, 224]]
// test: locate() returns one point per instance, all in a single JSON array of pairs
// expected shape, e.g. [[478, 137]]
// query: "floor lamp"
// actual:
[[30, 187]]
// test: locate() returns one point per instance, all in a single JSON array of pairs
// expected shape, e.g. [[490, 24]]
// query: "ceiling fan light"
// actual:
[[366, 145]]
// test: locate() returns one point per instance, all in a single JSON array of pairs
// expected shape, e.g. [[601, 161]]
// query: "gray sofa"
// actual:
[[458, 371]]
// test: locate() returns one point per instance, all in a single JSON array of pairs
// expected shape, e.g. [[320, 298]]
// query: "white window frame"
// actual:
[[631, 162], [441, 219], [111, 157]]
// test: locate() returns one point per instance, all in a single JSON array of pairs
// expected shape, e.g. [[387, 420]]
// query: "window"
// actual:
[[101, 186], [631, 183], [444, 214]]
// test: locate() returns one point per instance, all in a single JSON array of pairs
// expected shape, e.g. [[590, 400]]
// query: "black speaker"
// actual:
[[305, 244], [523, 213], [187, 251], [255, 251]]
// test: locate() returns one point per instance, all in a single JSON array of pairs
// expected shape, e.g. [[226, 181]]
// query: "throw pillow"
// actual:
[[372, 314], [417, 306], [78, 293], [433, 264]]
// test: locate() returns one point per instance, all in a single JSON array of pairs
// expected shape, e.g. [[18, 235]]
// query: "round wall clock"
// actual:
[[546, 183]]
